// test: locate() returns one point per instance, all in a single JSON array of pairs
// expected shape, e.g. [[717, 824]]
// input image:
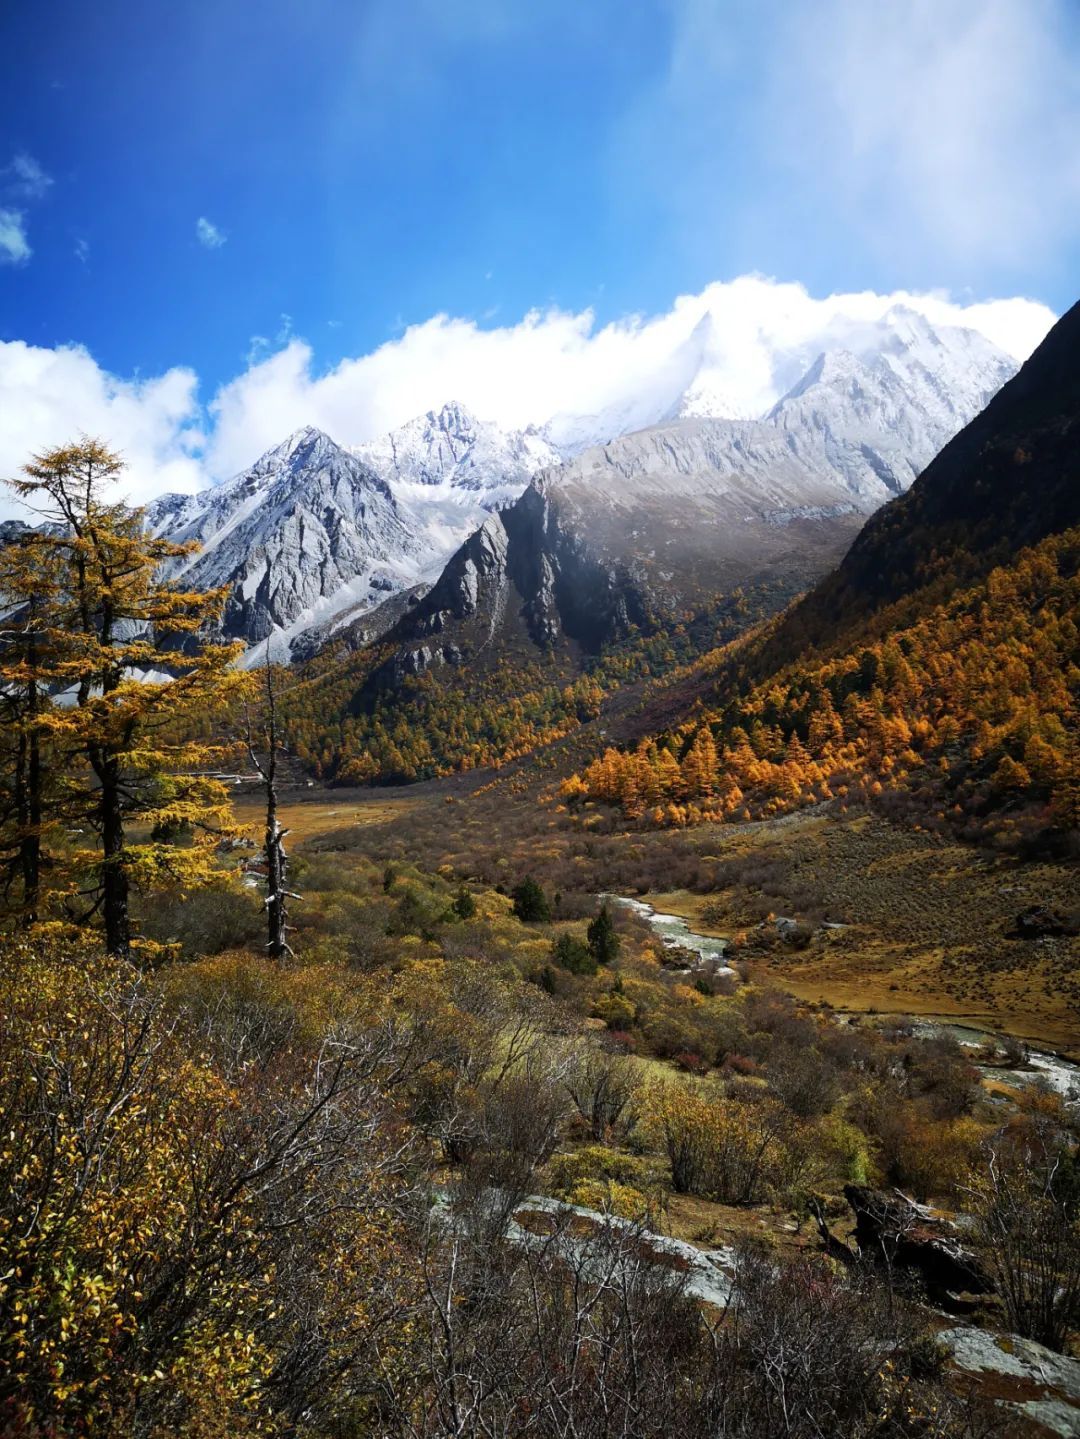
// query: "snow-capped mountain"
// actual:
[[307, 528], [315, 535], [452, 447], [934, 379], [880, 413]]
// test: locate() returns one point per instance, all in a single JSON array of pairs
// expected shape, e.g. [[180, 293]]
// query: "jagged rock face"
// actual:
[[303, 523], [12, 530], [523, 573]]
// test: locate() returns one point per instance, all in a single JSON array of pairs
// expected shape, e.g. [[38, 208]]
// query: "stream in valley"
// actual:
[[674, 932]]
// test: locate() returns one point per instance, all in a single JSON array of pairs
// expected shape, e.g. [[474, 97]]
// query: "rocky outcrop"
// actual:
[[523, 566], [893, 1231]]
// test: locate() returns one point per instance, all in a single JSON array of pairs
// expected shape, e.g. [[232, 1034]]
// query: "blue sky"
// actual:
[[190, 187]]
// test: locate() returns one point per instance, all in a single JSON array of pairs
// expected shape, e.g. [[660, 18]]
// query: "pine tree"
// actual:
[[602, 938], [106, 615], [530, 902]]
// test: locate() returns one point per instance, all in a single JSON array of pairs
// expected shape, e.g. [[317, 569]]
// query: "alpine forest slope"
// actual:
[[935, 670]]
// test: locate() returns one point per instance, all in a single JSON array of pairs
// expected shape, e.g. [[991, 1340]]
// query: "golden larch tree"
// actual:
[[118, 744]]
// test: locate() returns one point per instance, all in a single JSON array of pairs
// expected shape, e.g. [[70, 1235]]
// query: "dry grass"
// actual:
[[322, 815], [926, 925]]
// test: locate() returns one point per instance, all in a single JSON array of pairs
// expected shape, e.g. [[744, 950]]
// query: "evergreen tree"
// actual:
[[571, 954], [603, 940], [530, 902], [464, 905]]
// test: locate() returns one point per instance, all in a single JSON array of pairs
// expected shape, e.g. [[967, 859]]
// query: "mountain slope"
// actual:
[[939, 664], [315, 537]]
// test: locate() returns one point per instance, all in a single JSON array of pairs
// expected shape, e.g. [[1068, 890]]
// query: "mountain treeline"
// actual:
[[468, 716]]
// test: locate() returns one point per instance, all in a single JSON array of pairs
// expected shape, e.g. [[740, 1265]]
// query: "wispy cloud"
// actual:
[[938, 136], [82, 250], [14, 246], [27, 178], [22, 180], [208, 234], [260, 346], [943, 122]]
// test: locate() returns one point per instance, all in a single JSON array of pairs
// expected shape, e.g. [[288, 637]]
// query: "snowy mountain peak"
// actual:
[[314, 534], [450, 446], [888, 402]]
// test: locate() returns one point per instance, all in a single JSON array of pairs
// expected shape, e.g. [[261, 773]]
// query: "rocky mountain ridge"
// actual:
[[314, 536]]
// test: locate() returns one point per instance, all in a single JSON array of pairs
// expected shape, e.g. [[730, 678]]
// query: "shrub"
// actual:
[[616, 1011], [719, 1149], [1028, 1229], [598, 1161], [608, 1197], [602, 1086], [205, 922]]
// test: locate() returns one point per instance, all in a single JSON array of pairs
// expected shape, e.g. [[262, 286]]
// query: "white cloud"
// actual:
[[82, 250], [47, 397], [27, 177], [760, 335], [14, 246], [208, 234]]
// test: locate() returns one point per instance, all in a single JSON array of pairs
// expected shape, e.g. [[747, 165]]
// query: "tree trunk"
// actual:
[[31, 842], [276, 868], [114, 878]]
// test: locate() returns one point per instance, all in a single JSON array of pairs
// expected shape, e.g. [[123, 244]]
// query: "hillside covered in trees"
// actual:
[[939, 662]]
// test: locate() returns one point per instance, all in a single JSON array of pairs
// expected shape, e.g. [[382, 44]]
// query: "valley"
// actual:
[[540, 720], [925, 925], [650, 896]]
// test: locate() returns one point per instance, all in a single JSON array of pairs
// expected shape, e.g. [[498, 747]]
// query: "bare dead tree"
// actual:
[[266, 767], [1027, 1226]]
